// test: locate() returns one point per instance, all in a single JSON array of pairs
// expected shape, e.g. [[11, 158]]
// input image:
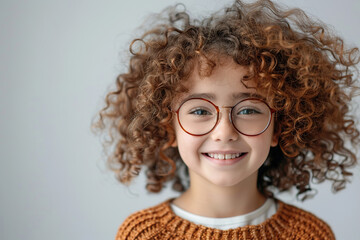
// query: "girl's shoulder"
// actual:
[[144, 224], [304, 224], [160, 222]]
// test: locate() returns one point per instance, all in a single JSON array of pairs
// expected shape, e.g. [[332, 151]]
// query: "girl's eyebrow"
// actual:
[[235, 96], [209, 96], [243, 95]]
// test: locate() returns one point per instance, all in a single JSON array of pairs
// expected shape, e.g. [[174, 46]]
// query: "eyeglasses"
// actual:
[[199, 116]]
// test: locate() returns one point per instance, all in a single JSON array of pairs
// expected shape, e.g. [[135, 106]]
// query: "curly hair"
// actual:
[[306, 73]]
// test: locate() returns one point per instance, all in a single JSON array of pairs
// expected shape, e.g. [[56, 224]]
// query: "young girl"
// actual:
[[233, 109]]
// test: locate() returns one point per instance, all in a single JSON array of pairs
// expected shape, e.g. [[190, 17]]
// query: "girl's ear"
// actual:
[[174, 144], [275, 139]]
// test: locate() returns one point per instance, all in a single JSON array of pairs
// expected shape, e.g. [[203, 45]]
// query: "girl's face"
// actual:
[[206, 155]]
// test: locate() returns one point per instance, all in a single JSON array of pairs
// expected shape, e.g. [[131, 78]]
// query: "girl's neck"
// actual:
[[208, 200]]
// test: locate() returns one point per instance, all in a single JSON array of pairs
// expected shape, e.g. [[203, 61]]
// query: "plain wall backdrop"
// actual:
[[57, 60]]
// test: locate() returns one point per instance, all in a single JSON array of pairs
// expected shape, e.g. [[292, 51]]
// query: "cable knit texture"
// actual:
[[160, 223]]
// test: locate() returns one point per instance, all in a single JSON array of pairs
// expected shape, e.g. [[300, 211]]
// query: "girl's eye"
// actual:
[[248, 111], [200, 112]]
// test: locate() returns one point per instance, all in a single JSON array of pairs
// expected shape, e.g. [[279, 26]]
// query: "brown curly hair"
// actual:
[[305, 72]]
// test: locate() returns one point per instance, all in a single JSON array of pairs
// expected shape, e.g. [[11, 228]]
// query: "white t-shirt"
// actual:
[[255, 217]]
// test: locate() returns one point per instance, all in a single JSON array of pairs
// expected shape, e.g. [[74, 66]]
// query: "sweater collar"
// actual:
[[276, 224]]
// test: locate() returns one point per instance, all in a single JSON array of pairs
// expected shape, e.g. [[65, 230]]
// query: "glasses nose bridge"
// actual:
[[229, 109]]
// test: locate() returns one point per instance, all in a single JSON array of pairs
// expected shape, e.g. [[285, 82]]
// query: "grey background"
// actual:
[[57, 60]]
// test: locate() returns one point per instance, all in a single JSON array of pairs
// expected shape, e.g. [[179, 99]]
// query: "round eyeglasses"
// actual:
[[199, 116]]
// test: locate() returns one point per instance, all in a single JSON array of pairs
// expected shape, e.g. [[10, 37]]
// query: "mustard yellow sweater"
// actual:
[[160, 223]]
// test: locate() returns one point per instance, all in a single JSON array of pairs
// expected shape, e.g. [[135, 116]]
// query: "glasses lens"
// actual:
[[251, 117], [197, 116]]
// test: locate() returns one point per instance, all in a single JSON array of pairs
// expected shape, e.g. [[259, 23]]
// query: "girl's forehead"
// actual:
[[227, 81], [229, 90], [227, 77]]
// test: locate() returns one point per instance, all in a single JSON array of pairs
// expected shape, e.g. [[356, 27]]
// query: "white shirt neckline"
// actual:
[[255, 217]]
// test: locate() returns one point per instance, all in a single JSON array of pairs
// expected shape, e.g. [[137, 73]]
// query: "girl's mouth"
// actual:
[[229, 156], [228, 159]]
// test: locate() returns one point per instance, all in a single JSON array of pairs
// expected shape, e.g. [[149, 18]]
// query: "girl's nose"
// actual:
[[224, 130]]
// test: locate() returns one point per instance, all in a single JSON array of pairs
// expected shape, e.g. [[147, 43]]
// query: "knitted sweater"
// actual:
[[159, 222]]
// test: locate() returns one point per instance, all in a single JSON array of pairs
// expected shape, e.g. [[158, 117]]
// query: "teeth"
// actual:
[[224, 156]]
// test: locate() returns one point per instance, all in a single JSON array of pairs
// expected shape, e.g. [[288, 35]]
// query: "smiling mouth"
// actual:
[[225, 156]]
